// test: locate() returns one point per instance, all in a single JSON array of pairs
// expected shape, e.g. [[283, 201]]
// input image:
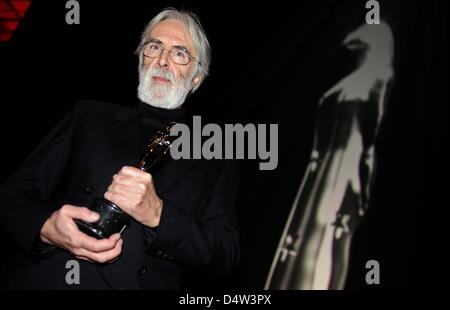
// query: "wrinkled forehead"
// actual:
[[172, 32]]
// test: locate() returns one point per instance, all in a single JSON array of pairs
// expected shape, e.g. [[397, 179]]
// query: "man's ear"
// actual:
[[196, 80]]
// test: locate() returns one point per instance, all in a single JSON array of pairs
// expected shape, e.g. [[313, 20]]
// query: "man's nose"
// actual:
[[163, 60]]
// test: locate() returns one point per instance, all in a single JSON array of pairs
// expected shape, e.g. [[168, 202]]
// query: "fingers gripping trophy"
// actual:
[[112, 218]]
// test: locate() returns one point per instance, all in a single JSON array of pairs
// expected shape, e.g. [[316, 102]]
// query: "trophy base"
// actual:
[[112, 220]]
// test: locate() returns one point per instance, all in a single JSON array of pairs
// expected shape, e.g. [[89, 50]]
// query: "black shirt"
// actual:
[[154, 119]]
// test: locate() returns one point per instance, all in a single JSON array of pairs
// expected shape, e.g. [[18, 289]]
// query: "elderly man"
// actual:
[[183, 216]]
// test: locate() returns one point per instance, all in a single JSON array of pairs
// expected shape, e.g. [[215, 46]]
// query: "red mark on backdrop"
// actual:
[[11, 12]]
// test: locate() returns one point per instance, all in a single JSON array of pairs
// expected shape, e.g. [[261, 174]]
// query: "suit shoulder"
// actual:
[[86, 106], [92, 106]]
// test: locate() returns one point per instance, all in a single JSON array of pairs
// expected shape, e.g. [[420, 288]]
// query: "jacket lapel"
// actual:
[[170, 172], [124, 131], [124, 134]]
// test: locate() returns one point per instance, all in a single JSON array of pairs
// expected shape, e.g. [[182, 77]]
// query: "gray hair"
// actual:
[[197, 34]]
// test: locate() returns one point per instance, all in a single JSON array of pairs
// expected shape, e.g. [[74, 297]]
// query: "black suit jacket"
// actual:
[[75, 163]]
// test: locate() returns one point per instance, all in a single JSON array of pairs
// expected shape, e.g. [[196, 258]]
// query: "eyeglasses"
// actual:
[[178, 54]]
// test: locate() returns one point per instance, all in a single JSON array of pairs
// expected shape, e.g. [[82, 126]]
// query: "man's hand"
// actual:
[[134, 192], [60, 230]]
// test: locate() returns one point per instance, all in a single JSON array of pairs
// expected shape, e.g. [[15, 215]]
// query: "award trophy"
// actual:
[[112, 218]]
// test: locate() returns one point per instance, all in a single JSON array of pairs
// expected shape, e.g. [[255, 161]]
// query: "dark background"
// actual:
[[271, 63]]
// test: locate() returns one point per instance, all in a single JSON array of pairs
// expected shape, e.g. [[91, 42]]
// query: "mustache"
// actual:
[[162, 73]]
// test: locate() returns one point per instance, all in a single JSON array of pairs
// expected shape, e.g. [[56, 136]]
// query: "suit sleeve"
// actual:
[[209, 243], [25, 197]]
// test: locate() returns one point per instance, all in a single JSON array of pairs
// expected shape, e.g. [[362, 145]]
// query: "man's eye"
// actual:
[[154, 47], [180, 54]]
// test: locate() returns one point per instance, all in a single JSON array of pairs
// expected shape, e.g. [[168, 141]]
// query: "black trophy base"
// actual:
[[112, 220]]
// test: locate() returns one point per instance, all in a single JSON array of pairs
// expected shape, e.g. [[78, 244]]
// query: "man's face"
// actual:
[[164, 83]]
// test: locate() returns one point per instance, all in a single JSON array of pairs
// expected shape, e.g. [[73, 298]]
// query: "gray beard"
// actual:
[[170, 96]]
